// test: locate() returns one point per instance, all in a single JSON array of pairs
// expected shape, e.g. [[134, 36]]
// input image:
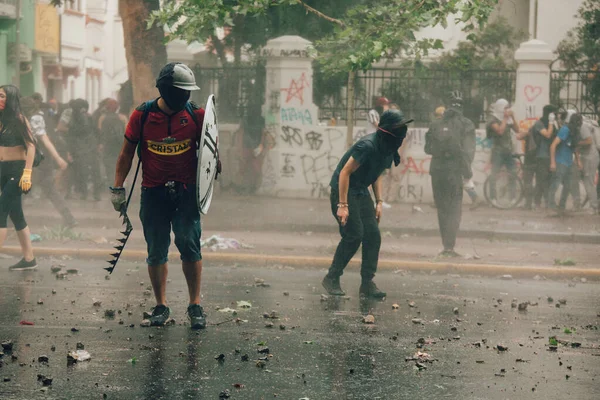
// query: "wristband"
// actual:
[[379, 201], [342, 205]]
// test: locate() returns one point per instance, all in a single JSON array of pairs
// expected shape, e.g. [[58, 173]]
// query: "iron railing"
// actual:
[[418, 91], [239, 90], [578, 90]]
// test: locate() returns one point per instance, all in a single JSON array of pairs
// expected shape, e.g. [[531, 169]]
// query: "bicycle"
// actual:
[[509, 186]]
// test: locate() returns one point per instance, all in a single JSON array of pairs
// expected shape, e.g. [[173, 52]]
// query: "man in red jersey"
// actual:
[[167, 130]]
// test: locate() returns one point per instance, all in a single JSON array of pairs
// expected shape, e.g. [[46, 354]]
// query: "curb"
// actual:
[[528, 236], [324, 263]]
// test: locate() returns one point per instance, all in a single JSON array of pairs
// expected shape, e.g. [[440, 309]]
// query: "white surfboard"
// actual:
[[208, 156]]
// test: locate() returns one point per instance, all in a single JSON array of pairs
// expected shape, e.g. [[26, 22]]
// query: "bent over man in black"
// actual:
[[351, 204]]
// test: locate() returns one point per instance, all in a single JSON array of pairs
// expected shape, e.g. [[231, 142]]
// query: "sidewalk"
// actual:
[[253, 213]]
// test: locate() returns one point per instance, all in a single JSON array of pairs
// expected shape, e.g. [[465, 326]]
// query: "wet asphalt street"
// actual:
[[317, 348]]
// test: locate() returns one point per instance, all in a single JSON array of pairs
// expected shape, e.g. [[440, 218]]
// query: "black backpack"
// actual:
[[446, 137]]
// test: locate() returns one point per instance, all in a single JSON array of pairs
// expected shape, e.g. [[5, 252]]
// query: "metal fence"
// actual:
[[239, 90], [418, 91], [578, 90]]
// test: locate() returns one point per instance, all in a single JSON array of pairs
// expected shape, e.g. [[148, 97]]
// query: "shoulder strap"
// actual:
[[189, 107], [147, 106]]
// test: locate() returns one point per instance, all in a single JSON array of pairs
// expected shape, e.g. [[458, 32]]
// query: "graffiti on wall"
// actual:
[[295, 90]]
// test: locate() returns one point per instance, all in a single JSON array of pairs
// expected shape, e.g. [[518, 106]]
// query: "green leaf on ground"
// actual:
[[568, 262], [553, 342]]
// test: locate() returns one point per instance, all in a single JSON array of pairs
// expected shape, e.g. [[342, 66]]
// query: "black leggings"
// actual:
[[10, 199]]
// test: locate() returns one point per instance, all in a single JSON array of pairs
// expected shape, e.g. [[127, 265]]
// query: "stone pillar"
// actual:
[[290, 167], [533, 81]]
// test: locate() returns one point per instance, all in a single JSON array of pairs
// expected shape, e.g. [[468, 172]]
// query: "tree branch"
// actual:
[[320, 14]]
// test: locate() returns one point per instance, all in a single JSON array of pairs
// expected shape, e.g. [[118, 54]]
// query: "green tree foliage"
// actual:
[[490, 48], [581, 47], [364, 33]]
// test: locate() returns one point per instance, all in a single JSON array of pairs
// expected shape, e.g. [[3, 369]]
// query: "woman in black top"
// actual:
[[17, 151]]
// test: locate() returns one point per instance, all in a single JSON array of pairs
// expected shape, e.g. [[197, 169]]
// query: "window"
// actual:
[[74, 5]]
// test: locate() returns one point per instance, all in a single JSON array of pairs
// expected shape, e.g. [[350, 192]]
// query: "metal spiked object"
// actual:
[[128, 227]]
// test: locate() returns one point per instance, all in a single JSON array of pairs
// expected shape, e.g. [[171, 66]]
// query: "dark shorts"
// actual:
[[163, 208]]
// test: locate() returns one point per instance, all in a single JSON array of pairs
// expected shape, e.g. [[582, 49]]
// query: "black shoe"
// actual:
[[449, 253], [160, 315], [370, 289], [197, 317], [332, 285], [24, 265]]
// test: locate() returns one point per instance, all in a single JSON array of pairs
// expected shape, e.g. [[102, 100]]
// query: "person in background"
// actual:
[[589, 158], [82, 148], [351, 205], [382, 104], [111, 128], [17, 152], [45, 171], [543, 133], [450, 141], [499, 131], [468, 184], [561, 158]]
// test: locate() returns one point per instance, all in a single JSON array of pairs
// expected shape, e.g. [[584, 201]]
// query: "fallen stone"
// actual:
[[220, 358], [395, 306], [97, 304], [550, 299], [269, 324], [53, 291], [80, 346], [109, 313], [412, 304], [324, 297], [286, 293], [523, 306], [224, 394], [507, 277], [263, 350], [46, 381], [43, 358], [145, 323], [261, 363], [245, 357], [55, 268], [78, 356], [72, 271], [501, 347], [455, 310], [369, 319], [282, 327], [417, 321], [7, 345], [40, 301], [562, 301]]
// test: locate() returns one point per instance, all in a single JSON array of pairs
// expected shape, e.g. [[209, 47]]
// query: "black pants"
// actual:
[[448, 195], [10, 199], [529, 170], [44, 177], [542, 181], [361, 228]]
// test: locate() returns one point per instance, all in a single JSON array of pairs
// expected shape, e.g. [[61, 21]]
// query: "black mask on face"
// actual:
[[392, 142], [175, 98]]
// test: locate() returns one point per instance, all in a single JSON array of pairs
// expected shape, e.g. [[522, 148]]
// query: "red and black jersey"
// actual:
[[169, 144]]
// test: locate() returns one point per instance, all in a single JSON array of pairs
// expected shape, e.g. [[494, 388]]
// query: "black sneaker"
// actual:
[[370, 289], [160, 315], [24, 265], [332, 286], [196, 315]]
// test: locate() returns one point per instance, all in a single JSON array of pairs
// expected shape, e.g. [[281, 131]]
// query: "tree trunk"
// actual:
[[145, 50], [350, 110]]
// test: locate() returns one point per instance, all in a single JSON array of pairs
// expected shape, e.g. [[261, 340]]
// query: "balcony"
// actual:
[[8, 9]]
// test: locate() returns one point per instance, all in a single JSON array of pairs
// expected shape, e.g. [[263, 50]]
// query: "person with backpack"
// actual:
[[499, 131], [166, 132], [544, 132], [562, 151], [111, 127], [45, 173], [351, 205], [589, 158], [451, 142]]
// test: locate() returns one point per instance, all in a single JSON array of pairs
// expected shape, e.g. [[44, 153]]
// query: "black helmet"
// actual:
[[455, 98], [392, 120]]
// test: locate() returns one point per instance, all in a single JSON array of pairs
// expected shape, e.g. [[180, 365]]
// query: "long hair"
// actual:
[[12, 117], [574, 125]]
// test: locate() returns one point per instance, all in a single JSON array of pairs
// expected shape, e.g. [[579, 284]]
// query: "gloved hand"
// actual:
[[25, 182], [118, 198]]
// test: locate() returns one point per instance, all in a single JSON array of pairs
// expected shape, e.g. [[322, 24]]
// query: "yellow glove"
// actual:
[[25, 182]]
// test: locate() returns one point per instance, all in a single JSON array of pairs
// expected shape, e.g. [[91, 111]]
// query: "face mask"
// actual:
[[175, 98], [392, 142]]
